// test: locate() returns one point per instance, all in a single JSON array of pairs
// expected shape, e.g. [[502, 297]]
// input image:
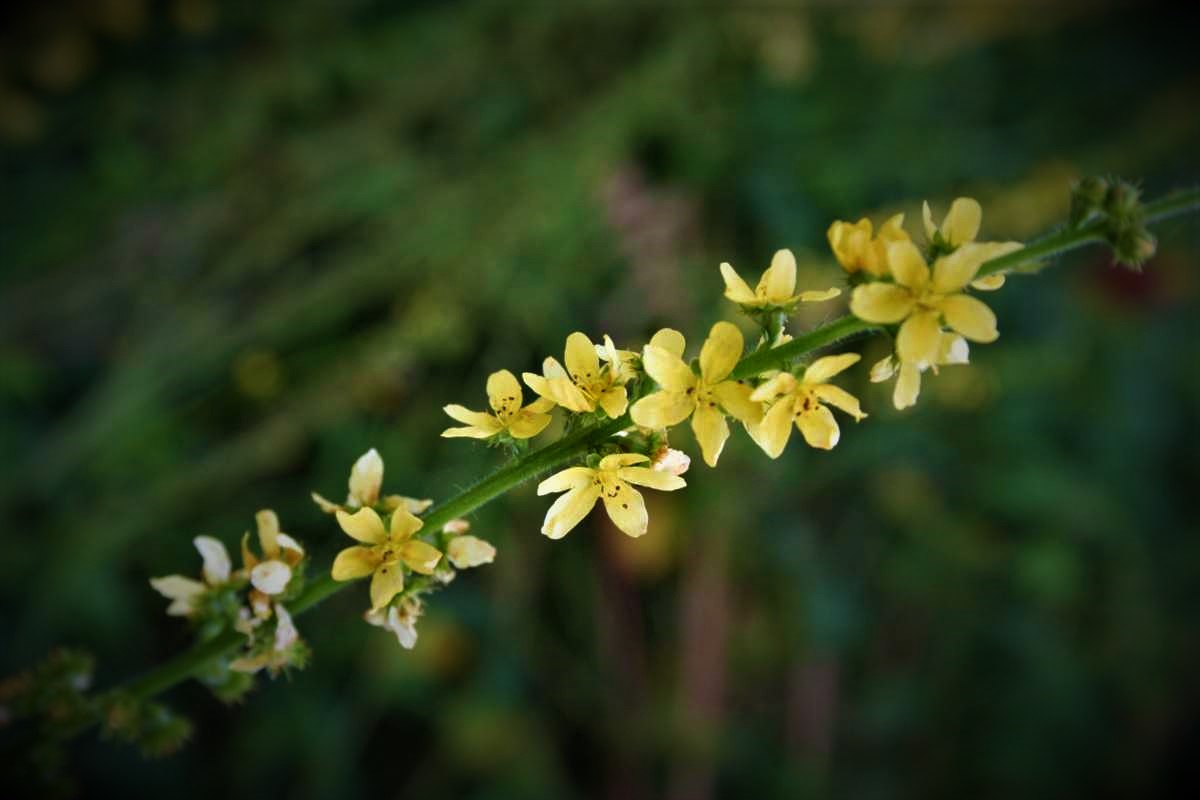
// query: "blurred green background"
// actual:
[[244, 242]]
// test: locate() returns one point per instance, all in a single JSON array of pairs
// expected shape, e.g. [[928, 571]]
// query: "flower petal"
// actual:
[[323, 504], [504, 393], [989, 283], [908, 387], [961, 224], [819, 428], [667, 369], [671, 340], [780, 383], [363, 525], [626, 508], [711, 431], [528, 424], [927, 217], [475, 419], [776, 427], [403, 524], [662, 409], [838, 397], [387, 582], [216, 559], [734, 397], [819, 295], [618, 460], [288, 543], [919, 338], [268, 532], [354, 562], [779, 281], [465, 552], [883, 369], [881, 303], [826, 367], [721, 350], [970, 317], [614, 401], [567, 511], [953, 350], [366, 476], [953, 272], [736, 289], [652, 478], [907, 265], [568, 395], [583, 365], [420, 556], [567, 479], [271, 577], [177, 587]]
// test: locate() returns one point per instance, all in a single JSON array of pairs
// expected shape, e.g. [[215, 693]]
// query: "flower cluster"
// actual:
[[251, 600], [924, 294]]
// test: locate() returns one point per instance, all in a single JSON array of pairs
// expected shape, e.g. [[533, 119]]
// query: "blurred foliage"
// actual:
[[245, 242]]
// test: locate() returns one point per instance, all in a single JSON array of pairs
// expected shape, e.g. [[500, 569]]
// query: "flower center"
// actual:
[[805, 401]]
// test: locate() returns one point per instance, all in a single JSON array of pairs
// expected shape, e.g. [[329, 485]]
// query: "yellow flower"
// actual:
[[611, 481], [921, 300], [584, 384], [960, 227], [385, 554], [855, 248], [185, 592], [776, 287], [953, 349], [505, 397], [803, 402], [366, 480], [706, 397]]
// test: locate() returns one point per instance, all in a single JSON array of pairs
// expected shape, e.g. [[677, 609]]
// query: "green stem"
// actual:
[[192, 662]]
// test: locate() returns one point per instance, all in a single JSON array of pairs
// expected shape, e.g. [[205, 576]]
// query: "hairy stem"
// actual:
[[193, 661]]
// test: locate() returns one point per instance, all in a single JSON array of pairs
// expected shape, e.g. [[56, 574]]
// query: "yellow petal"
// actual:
[[711, 431], [893, 230], [953, 272], [819, 295], [734, 397], [883, 369], [582, 363], [567, 479], [366, 476], [662, 409], [970, 317], [527, 424], [268, 532], [271, 577], [927, 217], [838, 397], [543, 405], [779, 281], [363, 525], [419, 556], [567, 511], [721, 352], [552, 369], [989, 283], [469, 433], [504, 393], [465, 552], [177, 587], [324, 504], [667, 369], [387, 582], [354, 562], [216, 559], [819, 428], [539, 384], [248, 557], [626, 508], [614, 401], [403, 524], [953, 350], [961, 224], [907, 265], [780, 383], [908, 387], [618, 460], [776, 427], [290, 548], [881, 303], [826, 367], [848, 242], [919, 338], [671, 340], [651, 478], [568, 395], [474, 419], [736, 289]]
